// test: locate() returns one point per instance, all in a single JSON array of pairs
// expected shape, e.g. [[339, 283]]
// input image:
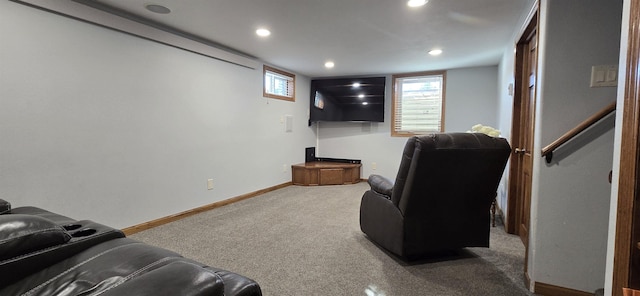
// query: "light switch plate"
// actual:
[[209, 184], [604, 76]]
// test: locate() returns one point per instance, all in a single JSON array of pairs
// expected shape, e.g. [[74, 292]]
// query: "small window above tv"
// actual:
[[347, 99]]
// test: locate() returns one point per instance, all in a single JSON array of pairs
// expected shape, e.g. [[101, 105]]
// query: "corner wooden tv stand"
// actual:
[[325, 173]]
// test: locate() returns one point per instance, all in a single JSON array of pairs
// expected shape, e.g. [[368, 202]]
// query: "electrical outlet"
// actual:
[[374, 166], [284, 168], [209, 184]]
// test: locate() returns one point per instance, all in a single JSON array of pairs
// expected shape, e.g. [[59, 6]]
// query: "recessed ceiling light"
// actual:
[[365, 103], [355, 85], [157, 8], [416, 3], [329, 64], [262, 32], [435, 52], [361, 96]]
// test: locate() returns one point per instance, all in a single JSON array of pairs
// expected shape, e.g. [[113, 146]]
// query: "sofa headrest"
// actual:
[[5, 206], [23, 234]]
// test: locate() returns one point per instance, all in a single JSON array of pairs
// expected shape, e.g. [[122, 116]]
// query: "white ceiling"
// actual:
[[362, 37]]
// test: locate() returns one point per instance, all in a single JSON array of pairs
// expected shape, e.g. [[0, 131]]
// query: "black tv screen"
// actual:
[[347, 99]]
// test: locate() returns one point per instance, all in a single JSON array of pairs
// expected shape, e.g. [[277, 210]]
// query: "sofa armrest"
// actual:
[[5, 207], [24, 234], [173, 278], [236, 284], [380, 185], [38, 243]]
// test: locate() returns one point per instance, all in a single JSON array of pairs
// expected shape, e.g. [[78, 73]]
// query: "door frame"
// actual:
[[628, 183], [513, 202]]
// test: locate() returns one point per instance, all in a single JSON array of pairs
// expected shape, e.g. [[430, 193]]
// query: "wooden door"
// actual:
[[525, 145], [524, 105], [522, 132]]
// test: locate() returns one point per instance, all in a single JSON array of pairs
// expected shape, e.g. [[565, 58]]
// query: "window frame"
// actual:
[[394, 100], [266, 94]]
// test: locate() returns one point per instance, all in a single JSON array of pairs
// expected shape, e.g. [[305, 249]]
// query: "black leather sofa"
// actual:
[[441, 196], [43, 253]]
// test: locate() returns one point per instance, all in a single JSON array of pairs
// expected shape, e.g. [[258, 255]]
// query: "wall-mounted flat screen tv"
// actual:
[[347, 99]]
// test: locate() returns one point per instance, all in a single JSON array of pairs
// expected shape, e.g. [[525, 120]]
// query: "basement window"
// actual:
[[418, 103], [279, 84]]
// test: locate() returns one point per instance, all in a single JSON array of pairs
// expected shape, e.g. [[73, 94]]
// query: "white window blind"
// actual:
[[279, 84], [418, 104]]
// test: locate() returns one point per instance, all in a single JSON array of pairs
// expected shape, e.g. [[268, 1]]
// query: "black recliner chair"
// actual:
[[441, 197]]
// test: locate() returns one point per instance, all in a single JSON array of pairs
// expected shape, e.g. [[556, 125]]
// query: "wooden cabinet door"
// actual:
[[331, 176]]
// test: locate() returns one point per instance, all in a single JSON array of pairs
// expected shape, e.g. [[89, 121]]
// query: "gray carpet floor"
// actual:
[[307, 241]]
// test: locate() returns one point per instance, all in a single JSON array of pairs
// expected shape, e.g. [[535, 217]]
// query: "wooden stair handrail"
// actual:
[[547, 151]]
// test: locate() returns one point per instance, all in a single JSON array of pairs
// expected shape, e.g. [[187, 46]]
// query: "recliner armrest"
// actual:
[[380, 185]]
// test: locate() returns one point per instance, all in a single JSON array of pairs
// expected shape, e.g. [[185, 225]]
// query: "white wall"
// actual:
[[471, 97], [100, 125], [613, 207], [570, 200]]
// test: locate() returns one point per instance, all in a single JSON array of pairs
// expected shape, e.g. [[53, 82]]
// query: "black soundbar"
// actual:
[[310, 156], [341, 160]]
